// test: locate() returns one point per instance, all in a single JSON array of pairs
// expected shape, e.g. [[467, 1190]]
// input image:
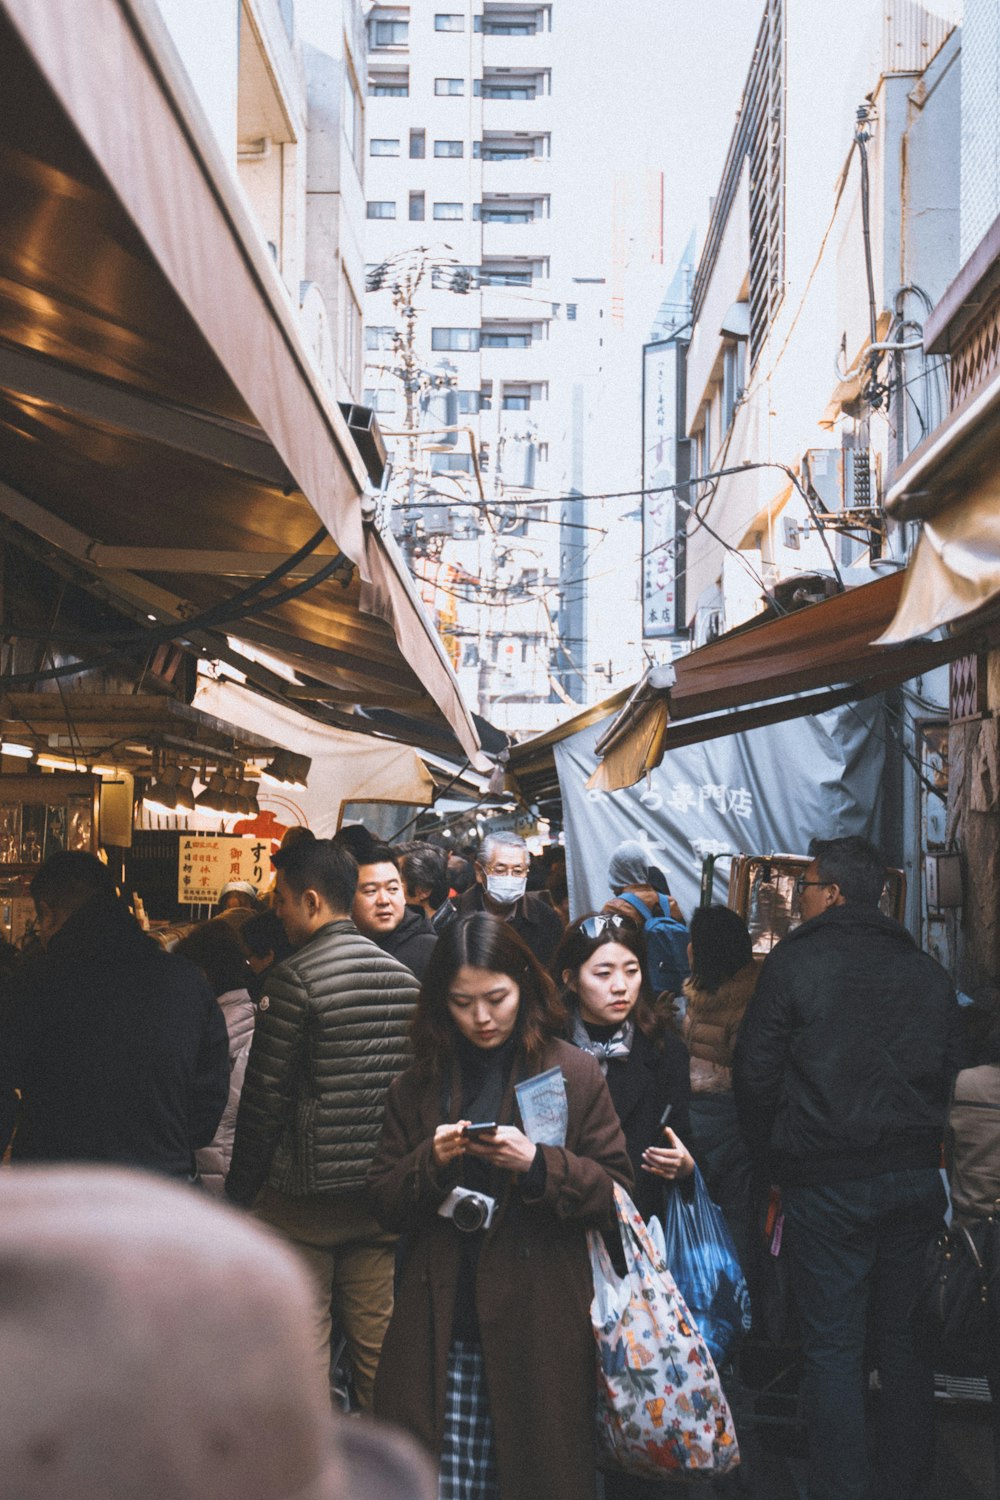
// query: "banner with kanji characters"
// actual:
[[207, 862], [765, 791]]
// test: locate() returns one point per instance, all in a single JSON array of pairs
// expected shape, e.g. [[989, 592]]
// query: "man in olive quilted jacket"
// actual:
[[331, 1035]]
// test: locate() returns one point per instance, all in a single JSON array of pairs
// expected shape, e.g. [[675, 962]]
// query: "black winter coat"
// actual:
[[120, 1049], [641, 1086], [847, 1052], [412, 942]]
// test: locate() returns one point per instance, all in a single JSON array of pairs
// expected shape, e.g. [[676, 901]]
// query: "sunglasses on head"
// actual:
[[595, 927]]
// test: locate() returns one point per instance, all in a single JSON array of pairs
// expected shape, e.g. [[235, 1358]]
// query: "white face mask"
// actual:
[[506, 889]]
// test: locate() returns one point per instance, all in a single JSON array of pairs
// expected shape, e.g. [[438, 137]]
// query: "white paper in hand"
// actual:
[[544, 1111]]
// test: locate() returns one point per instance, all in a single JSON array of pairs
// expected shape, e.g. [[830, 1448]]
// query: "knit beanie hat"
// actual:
[[159, 1345], [629, 865]]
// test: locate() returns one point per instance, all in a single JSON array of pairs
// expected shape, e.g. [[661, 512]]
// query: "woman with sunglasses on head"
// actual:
[[489, 1356], [600, 964]]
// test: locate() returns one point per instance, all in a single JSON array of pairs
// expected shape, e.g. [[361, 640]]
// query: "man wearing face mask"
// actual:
[[501, 888]]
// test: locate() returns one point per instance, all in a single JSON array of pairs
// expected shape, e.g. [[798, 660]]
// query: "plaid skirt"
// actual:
[[468, 1458]]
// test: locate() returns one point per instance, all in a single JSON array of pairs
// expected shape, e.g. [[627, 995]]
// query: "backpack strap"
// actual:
[[637, 905]]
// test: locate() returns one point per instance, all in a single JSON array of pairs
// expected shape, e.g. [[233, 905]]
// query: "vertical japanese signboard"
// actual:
[[661, 613], [207, 862]]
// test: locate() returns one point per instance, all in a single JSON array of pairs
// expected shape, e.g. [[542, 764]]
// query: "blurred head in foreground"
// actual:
[[159, 1345]]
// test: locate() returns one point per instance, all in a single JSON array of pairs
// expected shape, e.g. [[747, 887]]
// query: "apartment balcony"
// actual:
[[510, 240], [500, 302], [533, 363], [531, 177], [518, 114], [518, 51]]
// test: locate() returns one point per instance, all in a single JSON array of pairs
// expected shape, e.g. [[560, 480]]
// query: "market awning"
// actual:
[[805, 662], [951, 483], [162, 429]]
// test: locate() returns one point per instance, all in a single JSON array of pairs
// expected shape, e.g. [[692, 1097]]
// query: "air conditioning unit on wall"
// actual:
[[842, 478]]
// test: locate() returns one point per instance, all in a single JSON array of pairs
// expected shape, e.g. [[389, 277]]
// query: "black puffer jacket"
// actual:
[[412, 942], [846, 1055], [331, 1035]]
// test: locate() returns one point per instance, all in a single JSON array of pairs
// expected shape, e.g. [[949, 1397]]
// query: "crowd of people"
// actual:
[[343, 1062]]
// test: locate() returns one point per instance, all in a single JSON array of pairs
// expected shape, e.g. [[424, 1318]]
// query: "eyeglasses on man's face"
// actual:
[[802, 882]]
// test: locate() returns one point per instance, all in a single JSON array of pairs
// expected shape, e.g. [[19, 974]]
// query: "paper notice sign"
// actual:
[[543, 1106]]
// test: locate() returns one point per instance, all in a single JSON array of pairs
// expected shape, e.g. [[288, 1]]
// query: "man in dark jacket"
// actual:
[[380, 911], [502, 888], [331, 1035], [119, 1049], [844, 1065]]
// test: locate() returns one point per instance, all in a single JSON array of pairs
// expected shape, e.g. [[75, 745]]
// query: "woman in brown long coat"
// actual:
[[489, 1358]]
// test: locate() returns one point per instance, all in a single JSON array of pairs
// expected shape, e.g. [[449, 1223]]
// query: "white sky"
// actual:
[[656, 84]]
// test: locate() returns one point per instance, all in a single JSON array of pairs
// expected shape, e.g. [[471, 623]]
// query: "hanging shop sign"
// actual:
[[662, 462], [207, 862]]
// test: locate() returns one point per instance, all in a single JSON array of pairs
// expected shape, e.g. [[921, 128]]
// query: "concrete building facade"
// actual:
[[280, 83], [806, 380]]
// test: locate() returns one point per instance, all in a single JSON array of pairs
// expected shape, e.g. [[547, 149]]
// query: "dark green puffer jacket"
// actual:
[[331, 1035]]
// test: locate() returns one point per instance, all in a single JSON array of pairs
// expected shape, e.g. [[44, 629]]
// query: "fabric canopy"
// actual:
[[955, 569], [345, 767], [802, 663], [161, 422], [951, 483]]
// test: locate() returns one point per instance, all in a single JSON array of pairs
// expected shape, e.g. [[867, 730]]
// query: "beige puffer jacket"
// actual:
[[331, 1035], [972, 1142], [709, 1029], [213, 1160]]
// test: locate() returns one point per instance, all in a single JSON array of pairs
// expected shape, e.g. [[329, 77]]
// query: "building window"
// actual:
[[383, 146], [452, 88], [527, 27], [381, 208], [571, 311], [469, 403], [506, 340], [449, 21], [386, 85], [506, 90], [758, 144], [390, 33], [354, 126], [496, 215], [382, 402], [504, 153], [512, 402], [448, 211], [733, 377], [442, 463], [377, 337], [418, 145], [449, 148], [416, 208], [459, 340]]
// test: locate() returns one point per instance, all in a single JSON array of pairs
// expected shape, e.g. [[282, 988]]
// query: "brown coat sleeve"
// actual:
[[403, 1185], [579, 1182]]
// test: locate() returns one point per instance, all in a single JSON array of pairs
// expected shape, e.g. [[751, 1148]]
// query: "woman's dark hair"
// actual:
[[218, 953], [264, 933], [577, 947], [483, 941], [720, 946]]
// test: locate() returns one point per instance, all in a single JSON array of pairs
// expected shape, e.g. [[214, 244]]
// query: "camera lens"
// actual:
[[469, 1214]]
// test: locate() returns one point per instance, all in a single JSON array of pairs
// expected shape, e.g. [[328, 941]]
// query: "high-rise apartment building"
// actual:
[[459, 200]]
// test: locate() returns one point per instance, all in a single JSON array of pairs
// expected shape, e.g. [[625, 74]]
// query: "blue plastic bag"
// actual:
[[702, 1258]]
